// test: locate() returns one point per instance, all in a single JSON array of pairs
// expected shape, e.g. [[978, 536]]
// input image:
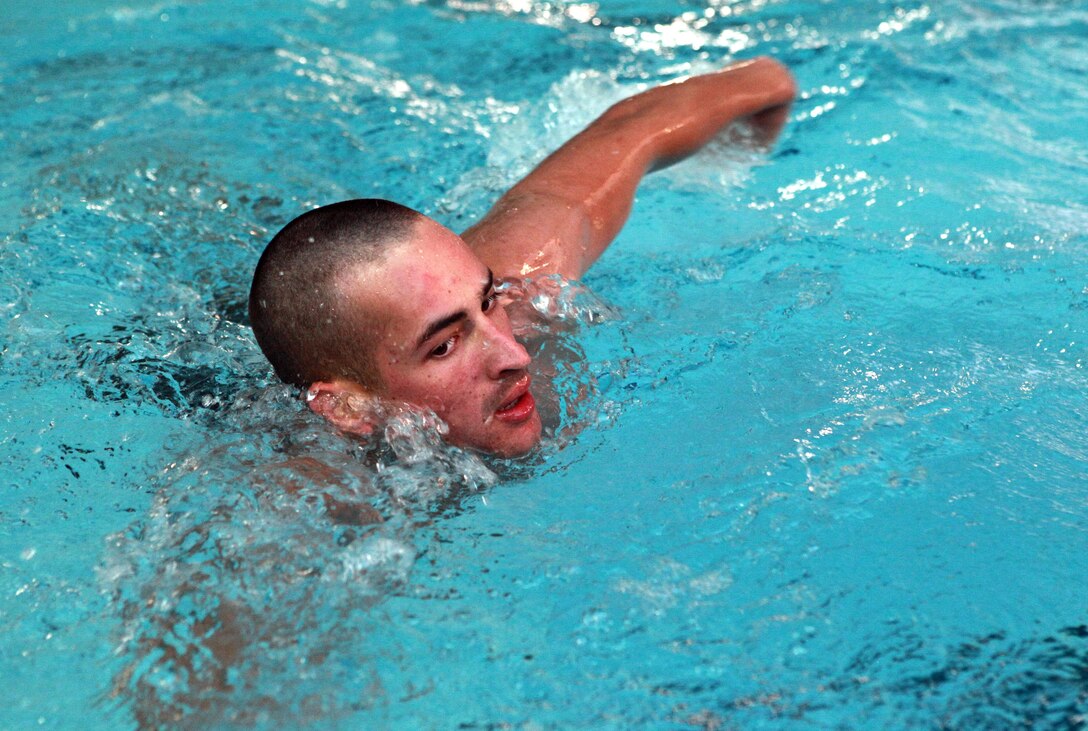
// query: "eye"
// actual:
[[490, 301], [443, 349]]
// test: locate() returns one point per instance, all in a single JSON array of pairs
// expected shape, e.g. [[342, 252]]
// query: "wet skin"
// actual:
[[557, 220], [446, 341]]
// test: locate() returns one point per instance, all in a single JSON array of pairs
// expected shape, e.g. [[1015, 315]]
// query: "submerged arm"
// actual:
[[563, 214]]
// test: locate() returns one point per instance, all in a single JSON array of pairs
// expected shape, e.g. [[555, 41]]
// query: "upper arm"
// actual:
[[560, 218]]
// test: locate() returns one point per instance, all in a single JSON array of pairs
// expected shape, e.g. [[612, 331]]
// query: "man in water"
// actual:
[[367, 299]]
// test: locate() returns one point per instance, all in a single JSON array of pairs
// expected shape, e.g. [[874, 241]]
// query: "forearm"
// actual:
[[667, 123], [688, 114]]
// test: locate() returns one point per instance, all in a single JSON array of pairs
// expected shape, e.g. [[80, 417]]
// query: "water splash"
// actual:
[[264, 556]]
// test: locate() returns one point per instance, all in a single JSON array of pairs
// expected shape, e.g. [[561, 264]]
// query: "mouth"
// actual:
[[519, 406]]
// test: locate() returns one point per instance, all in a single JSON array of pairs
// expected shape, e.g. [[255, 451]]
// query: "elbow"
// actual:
[[776, 80]]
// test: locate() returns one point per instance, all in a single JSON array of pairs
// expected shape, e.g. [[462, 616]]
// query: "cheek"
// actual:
[[441, 389], [406, 383], [455, 392]]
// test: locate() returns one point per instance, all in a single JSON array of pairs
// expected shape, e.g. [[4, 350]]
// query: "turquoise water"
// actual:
[[830, 467]]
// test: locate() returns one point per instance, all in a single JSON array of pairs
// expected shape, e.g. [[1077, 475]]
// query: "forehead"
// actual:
[[429, 276]]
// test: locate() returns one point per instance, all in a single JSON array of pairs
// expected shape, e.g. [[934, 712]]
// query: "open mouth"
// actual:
[[517, 409]]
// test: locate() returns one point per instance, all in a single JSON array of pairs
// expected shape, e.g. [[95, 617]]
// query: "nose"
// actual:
[[504, 353]]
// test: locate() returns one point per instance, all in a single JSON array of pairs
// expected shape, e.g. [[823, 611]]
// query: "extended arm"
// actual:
[[563, 214]]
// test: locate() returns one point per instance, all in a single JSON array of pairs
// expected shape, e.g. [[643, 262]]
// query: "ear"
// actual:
[[345, 404]]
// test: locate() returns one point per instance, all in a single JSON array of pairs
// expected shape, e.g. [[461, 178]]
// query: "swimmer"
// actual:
[[367, 300]]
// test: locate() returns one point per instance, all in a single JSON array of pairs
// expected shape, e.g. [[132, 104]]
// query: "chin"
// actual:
[[509, 443], [514, 450]]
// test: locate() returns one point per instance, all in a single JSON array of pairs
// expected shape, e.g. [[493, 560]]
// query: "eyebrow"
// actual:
[[443, 322]]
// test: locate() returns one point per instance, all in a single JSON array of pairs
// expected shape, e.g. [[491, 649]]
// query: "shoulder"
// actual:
[[532, 234]]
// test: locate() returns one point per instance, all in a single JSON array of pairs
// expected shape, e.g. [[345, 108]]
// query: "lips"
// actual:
[[519, 406]]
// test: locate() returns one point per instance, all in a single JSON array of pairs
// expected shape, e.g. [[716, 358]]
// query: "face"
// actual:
[[446, 342]]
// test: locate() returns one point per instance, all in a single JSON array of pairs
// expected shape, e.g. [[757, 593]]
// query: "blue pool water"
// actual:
[[830, 467]]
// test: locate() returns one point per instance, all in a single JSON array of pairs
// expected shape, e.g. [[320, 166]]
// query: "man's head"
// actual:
[[369, 298]]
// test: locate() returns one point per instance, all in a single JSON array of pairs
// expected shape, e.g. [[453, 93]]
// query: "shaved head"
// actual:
[[307, 326]]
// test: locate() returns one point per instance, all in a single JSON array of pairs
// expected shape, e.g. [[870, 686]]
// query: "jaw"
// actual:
[[528, 439], [501, 440]]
